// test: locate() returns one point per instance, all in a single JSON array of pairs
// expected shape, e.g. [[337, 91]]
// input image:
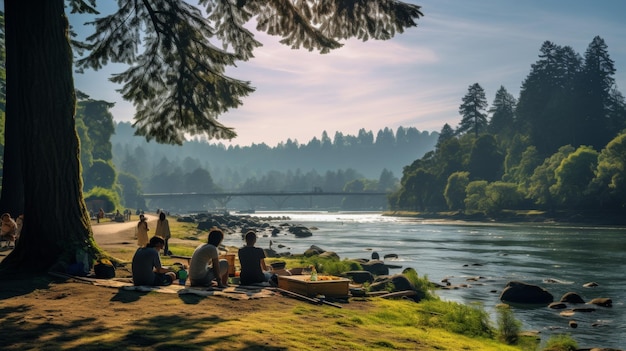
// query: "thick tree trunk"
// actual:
[[12, 198], [56, 222]]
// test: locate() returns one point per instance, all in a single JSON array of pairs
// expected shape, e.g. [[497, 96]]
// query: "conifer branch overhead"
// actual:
[[176, 77]]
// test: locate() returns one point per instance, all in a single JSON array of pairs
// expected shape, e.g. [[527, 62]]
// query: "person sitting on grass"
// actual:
[[146, 266], [252, 260], [8, 231], [206, 266]]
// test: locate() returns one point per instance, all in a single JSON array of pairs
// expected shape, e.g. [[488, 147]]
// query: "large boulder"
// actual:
[[524, 293], [330, 254], [572, 297], [602, 301], [360, 277], [376, 267], [399, 282], [313, 251], [300, 231]]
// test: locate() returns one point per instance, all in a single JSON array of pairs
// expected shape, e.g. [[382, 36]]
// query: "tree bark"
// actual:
[[41, 106]]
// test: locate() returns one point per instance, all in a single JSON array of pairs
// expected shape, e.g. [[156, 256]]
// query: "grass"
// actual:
[[380, 325]]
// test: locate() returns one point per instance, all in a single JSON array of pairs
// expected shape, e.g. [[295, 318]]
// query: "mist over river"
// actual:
[[560, 258]]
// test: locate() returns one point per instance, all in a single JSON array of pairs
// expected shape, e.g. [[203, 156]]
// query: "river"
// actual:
[[560, 258]]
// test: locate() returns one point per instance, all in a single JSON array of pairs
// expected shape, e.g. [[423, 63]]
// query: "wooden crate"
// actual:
[[300, 284], [231, 263]]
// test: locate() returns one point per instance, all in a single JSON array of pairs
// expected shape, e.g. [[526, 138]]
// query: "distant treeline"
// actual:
[[560, 146], [345, 163]]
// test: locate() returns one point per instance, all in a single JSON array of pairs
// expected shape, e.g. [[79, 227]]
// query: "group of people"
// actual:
[[206, 269], [162, 231], [10, 229]]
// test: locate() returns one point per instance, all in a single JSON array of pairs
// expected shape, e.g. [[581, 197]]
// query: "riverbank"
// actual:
[[602, 218], [45, 312]]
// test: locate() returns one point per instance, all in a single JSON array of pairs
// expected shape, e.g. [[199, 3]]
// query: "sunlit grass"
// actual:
[[380, 325]]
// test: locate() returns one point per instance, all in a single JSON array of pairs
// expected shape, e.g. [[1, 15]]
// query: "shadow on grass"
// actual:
[[23, 286], [129, 296], [163, 332]]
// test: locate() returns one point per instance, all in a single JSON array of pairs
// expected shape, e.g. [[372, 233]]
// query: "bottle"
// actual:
[[182, 277], [313, 274]]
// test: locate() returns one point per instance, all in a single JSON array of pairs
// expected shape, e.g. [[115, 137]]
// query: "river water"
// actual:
[[560, 258]]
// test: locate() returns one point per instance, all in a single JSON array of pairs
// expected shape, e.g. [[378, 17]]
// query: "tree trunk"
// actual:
[[41, 100]]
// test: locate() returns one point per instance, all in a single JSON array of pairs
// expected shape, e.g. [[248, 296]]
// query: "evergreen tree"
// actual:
[[547, 104], [502, 113], [485, 161], [595, 85], [446, 134], [473, 111], [177, 84]]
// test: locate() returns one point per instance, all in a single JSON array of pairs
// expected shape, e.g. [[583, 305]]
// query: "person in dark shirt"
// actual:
[[252, 261], [147, 269]]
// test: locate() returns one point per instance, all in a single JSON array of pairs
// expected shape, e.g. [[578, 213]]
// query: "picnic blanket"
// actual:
[[238, 292]]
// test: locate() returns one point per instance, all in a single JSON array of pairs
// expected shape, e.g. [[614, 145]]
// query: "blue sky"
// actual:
[[416, 79]]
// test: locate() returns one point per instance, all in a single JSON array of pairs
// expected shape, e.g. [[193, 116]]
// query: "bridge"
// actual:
[[278, 197]]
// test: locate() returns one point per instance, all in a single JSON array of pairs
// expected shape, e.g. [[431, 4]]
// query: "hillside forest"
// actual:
[[561, 145]]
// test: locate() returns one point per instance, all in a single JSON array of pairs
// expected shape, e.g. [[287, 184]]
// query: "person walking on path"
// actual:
[[163, 230], [142, 231]]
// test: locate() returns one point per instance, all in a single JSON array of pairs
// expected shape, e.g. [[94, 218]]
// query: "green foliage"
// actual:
[[473, 111], [536, 144], [470, 320], [508, 327], [501, 195], [422, 285], [574, 175], [322, 264], [561, 342], [131, 191], [610, 180], [455, 190], [106, 199], [101, 174], [179, 40], [485, 160], [98, 121], [476, 199]]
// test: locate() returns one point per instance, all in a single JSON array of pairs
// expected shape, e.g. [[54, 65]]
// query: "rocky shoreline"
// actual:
[[375, 272]]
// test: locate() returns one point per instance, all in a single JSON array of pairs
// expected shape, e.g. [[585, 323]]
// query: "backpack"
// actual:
[[104, 269]]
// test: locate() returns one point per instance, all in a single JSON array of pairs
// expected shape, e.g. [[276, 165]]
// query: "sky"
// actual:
[[417, 79]]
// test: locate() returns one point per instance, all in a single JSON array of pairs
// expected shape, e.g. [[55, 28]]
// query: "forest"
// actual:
[[345, 163], [560, 146]]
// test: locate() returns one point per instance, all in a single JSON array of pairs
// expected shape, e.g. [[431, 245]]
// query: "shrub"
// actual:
[[109, 199], [470, 320], [508, 326], [422, 285], [561, 342]]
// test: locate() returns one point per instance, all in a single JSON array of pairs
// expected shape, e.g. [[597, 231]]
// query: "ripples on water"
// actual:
[[556, 257]]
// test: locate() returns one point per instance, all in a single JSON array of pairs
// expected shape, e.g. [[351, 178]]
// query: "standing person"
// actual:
[[142, 231], [205, 265], [7, 231], [100, 215], [146, 266], [252, 260], [163, 230]]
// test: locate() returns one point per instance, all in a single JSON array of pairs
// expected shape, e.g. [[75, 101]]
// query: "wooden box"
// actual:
[[301, 284], [231, 263]]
